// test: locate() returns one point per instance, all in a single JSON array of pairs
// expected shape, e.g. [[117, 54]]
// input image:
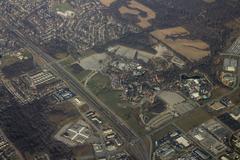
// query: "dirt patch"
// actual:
[[63, 113], [235, 97], [178, 39], [219, 91], [126, 10], [107, 3], [135, 8], [61, 55]]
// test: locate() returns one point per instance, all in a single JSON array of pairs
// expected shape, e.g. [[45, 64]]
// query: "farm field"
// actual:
[[107, 3], [135, 8], [143, 13], [175, 38]]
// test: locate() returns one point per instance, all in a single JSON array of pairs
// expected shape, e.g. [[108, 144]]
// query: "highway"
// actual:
[[135, 145]]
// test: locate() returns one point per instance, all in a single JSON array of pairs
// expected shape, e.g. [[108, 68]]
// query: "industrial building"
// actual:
[[207, 140], [198, 87], [235, 114], [40, 77], [230, 64], [217, 129], [171, 144]]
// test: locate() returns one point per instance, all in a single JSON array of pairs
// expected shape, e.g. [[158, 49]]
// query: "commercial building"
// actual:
[[230, 64], [207, 140], [40, 77]]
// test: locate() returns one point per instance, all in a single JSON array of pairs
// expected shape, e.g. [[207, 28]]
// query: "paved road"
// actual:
[[136, 146]]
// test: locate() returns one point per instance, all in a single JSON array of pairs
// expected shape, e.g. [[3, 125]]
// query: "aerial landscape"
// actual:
[[119, 80]]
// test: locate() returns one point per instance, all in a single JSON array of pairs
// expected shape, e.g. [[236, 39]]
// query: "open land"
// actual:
[[62, 7], [135, 8], [63, 113], [234, 97], [100, 85], [174, 38], [192, 119], [107, 3]]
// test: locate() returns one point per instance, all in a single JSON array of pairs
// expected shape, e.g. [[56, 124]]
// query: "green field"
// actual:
[[62, 7], [26, 53], [122, 108], [8, 60], [192, 119], [81, 75], [59, 55], [67, 61], [100, 85], [63, 114]]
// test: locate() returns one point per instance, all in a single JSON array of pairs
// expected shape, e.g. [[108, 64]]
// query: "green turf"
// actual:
[[26, 53], [192, 119], [67, 61], [123, 109], [100, 85], [8, 60], [81, 75], [62, 7]]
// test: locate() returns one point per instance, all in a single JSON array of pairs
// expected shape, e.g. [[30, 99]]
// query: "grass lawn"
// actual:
[[8, 60], [11, 59], [67, 61], [63, 114], [60, 55], [62, 7], [192, 119], [26, 53], [100, 85], [81, 75], [67, 65], [122, 108]]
